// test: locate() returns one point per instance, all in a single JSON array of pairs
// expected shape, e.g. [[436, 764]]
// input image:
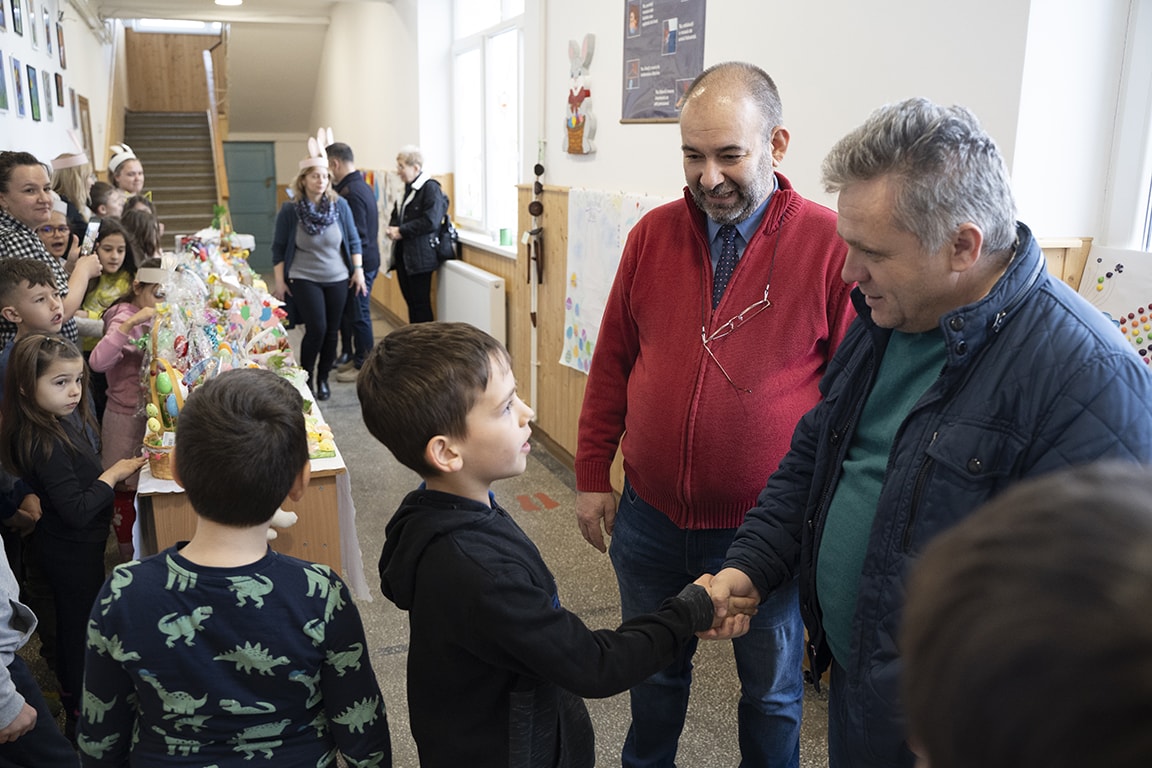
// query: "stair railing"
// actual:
[[214, 130]]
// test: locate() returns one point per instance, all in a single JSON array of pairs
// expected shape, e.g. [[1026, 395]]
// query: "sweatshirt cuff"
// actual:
[[699, 604], [593, 477]]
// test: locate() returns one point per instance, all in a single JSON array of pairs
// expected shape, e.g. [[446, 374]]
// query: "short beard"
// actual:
[[749, 198]]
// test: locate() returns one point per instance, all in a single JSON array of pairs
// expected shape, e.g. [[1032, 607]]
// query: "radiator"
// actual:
[[467, 294]]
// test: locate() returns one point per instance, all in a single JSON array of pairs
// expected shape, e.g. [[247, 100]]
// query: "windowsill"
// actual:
[[486, 243]]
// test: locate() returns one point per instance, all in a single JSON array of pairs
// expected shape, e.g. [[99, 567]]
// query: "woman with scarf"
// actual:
[[316, 256], [415, 222]]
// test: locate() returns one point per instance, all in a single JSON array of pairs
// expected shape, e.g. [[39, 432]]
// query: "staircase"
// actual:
[[175, 149]]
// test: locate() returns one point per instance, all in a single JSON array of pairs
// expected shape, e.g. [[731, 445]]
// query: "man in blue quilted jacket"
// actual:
[[968, 368]]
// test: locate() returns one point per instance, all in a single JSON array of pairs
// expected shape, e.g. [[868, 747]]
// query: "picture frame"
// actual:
[[33, 26], [3, 85], [85, 117], [17, 17], [59, 90], [49, 112], [3, 19], [47, 28], [75, 111], [60, 45], [34, 92], [17, 84]]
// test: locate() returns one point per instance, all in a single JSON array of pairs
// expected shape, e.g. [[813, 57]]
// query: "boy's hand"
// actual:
[[24, 721], [734, 599]]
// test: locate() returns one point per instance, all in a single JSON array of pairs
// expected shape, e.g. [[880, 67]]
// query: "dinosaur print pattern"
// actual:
[[223, 666]]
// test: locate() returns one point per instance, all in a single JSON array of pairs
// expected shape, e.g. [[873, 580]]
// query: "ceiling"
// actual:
[[257, 11]]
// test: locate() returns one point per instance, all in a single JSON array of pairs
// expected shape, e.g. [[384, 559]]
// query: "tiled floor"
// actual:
[[542, 501]]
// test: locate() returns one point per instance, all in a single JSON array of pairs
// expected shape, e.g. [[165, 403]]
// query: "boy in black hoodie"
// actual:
[[496, 667]]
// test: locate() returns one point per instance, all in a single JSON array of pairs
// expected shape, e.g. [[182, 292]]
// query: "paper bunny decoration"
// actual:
[[121, 153], [74, 157], [581, 123], [317, 156]]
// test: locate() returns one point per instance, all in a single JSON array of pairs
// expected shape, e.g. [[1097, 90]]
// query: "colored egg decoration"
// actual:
[[163, 383], [153, 413], [154, 425], [171, 407]]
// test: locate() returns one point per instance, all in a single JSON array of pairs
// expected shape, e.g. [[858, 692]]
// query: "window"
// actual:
[[488, 54]]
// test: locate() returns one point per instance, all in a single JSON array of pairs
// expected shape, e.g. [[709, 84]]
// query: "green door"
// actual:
[[251, 167]]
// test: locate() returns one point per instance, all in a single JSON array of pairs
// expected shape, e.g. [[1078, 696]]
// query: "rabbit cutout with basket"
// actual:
[[581, 123]]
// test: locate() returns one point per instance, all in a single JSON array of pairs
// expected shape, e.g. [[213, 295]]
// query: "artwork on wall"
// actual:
[[1118, 282], [17, 17], [663, 54], [60, 45], [47, 28], [48, 111], [32, 25], [581, 123], [3, 19], [3, 86], [75, 113], [34, 92], [85, 125], [59, 90], [17, 84]]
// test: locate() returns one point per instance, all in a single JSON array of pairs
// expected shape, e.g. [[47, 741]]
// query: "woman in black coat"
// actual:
[[412, 229]]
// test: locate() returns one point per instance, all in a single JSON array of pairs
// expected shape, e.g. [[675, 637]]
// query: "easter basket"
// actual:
[[158, 447]]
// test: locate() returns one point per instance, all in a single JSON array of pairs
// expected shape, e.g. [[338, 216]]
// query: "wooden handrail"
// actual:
[[214, 130]]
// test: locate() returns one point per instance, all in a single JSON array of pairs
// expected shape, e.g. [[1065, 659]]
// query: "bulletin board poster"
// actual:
[[663, 54], [1118, 282], [598, 227]]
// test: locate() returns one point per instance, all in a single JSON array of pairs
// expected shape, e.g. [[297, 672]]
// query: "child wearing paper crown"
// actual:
[[119, 356]]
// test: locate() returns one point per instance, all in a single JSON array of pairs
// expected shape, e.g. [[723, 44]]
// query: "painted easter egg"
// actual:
[[154, 425], [152, 411], [163, 383], [171, 407]]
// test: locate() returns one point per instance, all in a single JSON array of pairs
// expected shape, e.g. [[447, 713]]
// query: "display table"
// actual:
[[325, 532]]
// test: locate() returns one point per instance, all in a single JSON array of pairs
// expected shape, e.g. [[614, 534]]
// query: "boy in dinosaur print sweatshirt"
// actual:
[[221, 650]]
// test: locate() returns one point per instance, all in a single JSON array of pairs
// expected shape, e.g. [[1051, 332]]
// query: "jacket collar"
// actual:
[[349, 177]]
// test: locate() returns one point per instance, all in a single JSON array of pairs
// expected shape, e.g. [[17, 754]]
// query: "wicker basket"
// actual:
[[159, 461]]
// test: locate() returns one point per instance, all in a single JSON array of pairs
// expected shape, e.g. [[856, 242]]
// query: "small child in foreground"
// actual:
[[496, 667], [222, 651]]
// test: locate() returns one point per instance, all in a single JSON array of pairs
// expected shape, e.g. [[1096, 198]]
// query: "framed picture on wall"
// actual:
[[60, 45], [34, 92], [3, 19], [18, 85], [32, 25], [75, 112], [85, 116], [17, 17], [3, 87], [59, 90], [47, 28], [49, 112]]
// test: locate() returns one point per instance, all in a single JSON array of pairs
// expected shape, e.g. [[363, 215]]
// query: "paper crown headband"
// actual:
[[121, 153], [72, 159], [317, 156], [58, 205]]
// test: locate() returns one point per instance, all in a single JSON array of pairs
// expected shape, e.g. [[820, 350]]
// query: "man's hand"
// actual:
[[23, 722], [592, 510], [733, 597]]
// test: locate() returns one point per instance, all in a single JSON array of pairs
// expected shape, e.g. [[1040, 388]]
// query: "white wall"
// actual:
[[1068, 105], [273, 70], [834, 62], [88, 72]]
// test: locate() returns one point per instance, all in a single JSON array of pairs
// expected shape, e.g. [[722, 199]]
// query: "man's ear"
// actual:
[[965, 247], [442, 454], [10, 314], [779, 144], [300, 484]]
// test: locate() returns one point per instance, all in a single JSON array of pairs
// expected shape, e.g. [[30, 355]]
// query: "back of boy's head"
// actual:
[[98, 194], [14, 273], [1027, 636], [421, 381], [240, 444]]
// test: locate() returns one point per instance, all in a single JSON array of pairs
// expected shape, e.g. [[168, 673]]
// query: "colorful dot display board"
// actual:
[[1119, 283]]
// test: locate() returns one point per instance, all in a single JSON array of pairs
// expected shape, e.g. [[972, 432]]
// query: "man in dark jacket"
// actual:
[[968, 368], [356, 327]]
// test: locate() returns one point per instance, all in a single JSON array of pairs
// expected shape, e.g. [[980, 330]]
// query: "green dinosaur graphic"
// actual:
[[93, 708], [110, 646], [195, 722], [374, 760], [181, 578], [311, 682], [315, 629], [176, 703], [176, 745], [320, 723], [233, 707], [96, 749], [246, 740], [250, 657], [360, 714], [250, 588], [327, 759], [345, 660], [184, 627], [121, 578], [319, 579]]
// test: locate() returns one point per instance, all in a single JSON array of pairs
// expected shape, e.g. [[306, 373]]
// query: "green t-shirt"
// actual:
[[911, 364]]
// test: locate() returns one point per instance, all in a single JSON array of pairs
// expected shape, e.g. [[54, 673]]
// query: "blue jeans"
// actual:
[[356, 325], [654, 560]]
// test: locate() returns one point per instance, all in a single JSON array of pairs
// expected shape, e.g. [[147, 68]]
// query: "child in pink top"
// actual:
[[120, 357]]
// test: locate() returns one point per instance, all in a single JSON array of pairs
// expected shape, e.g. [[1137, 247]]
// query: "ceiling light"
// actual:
[[229, 2]]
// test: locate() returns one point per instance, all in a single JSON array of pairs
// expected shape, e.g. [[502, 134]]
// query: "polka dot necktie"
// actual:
[[725, 264]]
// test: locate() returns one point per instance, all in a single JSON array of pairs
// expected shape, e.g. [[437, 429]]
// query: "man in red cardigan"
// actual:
[[724, 312]]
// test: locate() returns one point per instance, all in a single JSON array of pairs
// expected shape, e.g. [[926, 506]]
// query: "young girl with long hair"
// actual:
[[116, 250], [120, 359], [48, 437]]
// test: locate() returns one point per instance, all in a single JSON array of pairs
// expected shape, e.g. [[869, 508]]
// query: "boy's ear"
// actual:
[[10, 314], [172, 467], [300, 484], [442, 454]]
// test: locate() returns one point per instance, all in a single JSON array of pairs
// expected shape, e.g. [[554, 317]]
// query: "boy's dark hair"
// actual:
[[240, 445], [1027, 636], [27, 432], [98, 194], [421, 381], [340, 151], [14, 272]]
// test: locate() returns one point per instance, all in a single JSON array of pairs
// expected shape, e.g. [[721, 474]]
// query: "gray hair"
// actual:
[[410, 154], [950, 170], [754, 81]]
